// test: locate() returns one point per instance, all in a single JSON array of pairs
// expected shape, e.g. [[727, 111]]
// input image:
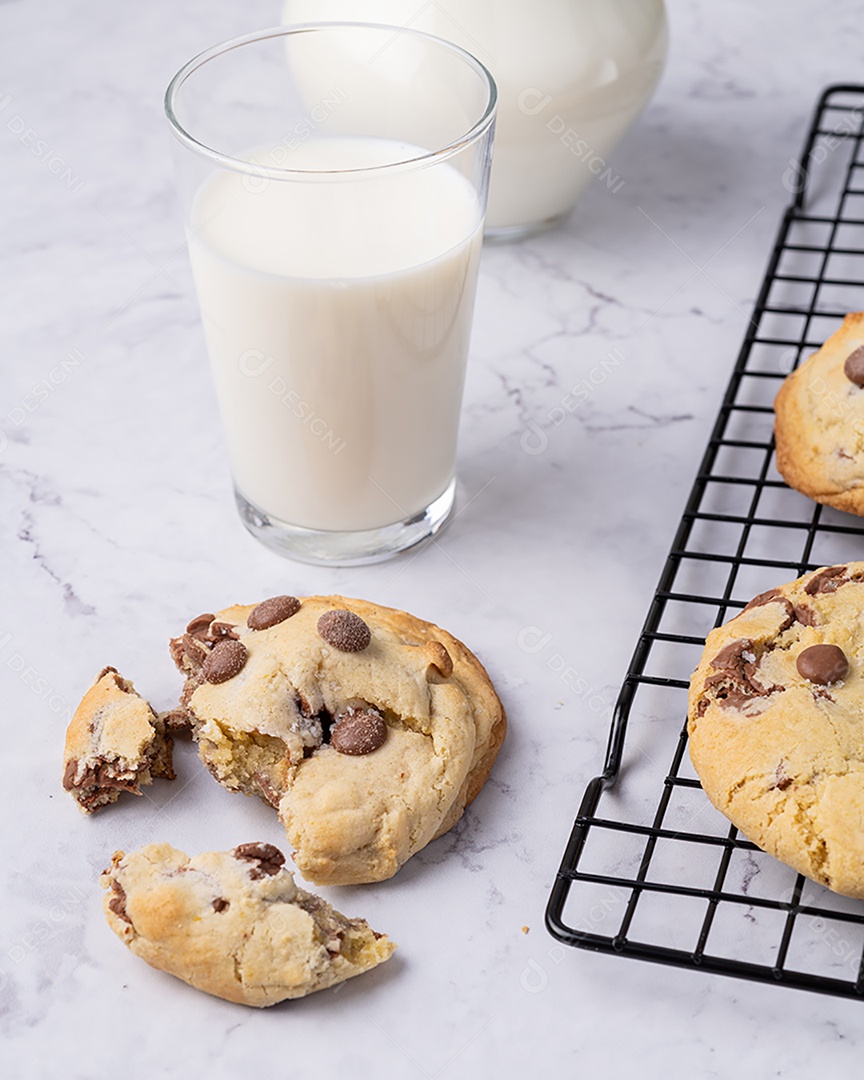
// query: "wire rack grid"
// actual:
[[652, 871]]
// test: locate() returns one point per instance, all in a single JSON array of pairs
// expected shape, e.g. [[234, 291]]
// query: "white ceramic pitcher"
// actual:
[[572, 76]]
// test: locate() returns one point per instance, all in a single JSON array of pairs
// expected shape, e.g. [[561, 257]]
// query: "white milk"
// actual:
[[572, 76], [337, 315]]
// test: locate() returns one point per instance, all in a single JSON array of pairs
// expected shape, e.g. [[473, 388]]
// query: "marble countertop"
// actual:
[[118, 524]]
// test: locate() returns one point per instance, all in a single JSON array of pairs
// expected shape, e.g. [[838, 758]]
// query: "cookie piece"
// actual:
[[819, 421], [418, 725], [115, 742], [234, 924], [775, 724]]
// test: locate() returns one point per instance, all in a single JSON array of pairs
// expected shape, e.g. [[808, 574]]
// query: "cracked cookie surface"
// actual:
[[368, 729], [776, 725], [234, 924], [819, 421], [115, 742]]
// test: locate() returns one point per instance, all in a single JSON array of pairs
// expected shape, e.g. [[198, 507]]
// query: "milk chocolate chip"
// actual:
[[731, 657], [273, 611], [823, 664], [268, 859], [853, 369], [763, 598], [199, 626], [805, 615], [69, 774], [359, 732], [225, 661], [344, 630], [825, 581], [117, 903]]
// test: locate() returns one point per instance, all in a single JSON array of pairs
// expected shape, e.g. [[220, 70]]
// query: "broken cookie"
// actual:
[[367, 728], [115, 742], [234, 924]]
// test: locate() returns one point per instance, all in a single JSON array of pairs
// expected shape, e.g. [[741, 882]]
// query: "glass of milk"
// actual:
[[333, 181]]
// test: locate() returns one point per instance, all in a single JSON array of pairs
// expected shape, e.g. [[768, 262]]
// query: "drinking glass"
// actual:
[[333, 183]]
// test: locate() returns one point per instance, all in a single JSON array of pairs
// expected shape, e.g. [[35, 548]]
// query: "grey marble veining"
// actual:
[[598, 358]]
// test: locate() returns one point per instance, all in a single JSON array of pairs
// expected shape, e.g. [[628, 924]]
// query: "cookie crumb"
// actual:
[[525, 929]]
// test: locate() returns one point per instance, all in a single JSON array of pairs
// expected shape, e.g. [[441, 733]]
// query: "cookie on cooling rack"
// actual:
[[777, 728], [114, 743], [819, 421], [234, 924], [368, 729]]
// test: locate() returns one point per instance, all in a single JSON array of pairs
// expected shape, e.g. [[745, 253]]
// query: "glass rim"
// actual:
[[227, 161]]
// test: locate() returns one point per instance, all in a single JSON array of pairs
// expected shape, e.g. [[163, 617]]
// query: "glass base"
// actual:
[[506, 234], [328, 548]]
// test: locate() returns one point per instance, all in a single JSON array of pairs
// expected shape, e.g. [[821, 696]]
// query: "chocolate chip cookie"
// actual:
[[776, 724], [819, 421], [115, 742], [234, 924], [368, 729]]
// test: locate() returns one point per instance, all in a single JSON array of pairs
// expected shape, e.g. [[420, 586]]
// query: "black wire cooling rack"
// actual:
[[652, 870]]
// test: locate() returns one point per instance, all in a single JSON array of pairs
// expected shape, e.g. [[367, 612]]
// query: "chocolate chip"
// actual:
[[268, 792], [105, 671], [220, 904], [853, 369], [825, 581], [344, 630], [117, 903], [737, 675], [268, 859], [273, 611], [805, 615], [199, 626], [781, 780], [358, 732], [730, 658], [225, 661], [220, 630], [69, 774], [194, 649], [736, 698], [823, 664], [763, 598]]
